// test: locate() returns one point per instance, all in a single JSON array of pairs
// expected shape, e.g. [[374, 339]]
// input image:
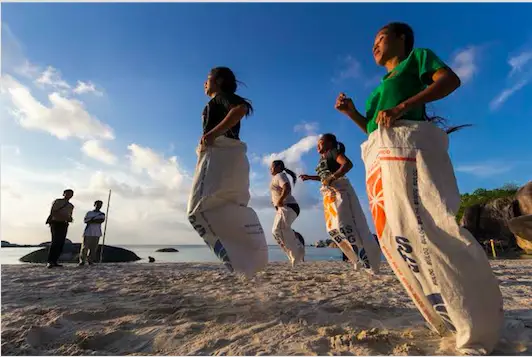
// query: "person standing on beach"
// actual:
[[218, 204], [287, 210], [58, 220], [414, 195], [92, 234], [345, 221]]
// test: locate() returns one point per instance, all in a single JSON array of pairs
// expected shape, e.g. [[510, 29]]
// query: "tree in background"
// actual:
[[482, 196]]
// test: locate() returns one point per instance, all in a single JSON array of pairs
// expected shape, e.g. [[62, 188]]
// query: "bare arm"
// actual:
[[95, 219], [309, 177], [345, 166], [444, 82], [358, 118], [231, 119], [345, 105]]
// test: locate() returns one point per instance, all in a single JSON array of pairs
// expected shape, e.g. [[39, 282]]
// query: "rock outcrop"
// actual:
[[167, 250], [6, 244], [491, 220], [71, 255], [524, 199]]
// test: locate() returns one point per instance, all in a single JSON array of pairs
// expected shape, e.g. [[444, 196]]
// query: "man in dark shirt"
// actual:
[[59, 218]]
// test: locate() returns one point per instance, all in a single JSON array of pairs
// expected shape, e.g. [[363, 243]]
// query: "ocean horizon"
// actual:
[[188, 253]]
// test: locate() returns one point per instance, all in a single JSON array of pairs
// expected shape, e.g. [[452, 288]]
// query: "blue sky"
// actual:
[[99, 96]]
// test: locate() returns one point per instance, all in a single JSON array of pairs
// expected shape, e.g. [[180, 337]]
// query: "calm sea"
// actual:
[[186, 254]]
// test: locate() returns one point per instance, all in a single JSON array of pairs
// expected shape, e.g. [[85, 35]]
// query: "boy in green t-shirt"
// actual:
[[413, 195]]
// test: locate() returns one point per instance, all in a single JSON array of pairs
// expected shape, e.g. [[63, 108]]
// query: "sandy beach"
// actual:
[[319, 308]]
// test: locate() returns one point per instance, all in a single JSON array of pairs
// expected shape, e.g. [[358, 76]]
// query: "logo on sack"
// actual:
[[218, 249], [198, 227], [221, 253], [363, 257], [375, 193], [345, 234], [405, 250], [437, 303], [330, 212]]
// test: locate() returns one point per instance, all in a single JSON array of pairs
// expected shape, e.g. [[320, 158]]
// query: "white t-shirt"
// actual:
[[93, 229], [276, 188]]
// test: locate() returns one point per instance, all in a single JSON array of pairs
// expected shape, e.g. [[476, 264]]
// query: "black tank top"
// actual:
[[216, 110], [327, 164]]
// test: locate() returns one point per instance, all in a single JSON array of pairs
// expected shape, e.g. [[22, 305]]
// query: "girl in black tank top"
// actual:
[[333, 163]]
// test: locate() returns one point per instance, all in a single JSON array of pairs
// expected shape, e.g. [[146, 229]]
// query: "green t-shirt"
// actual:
[[410, 77]]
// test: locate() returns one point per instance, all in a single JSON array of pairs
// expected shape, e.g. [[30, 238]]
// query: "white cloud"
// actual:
[[63, 117], [27, 69], [351, 69], [52, 77], [292, 155], [149, 191], [464, 64], [138, 204], [9, 150], [307, 128], [519, 62], [163, 170], [86, 87], [95, 150], [486, 169], [507, 93]]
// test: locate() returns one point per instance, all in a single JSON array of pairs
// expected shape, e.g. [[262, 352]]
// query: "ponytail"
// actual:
[[335, 143], [228, 83], [291, 173], [442, 123], [280, 163]]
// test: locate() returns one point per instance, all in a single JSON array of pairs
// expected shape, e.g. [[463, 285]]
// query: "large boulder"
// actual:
[[491, 220], [6, 244], [524, 199], [47, 244], [522, 228], [167, 250], [71, 255]]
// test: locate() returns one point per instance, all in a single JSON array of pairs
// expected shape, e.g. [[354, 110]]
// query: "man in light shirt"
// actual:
[[92, 234], [59, 219]]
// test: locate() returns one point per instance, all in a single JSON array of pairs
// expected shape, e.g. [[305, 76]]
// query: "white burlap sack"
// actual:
[[218, 211], [285, 236], [347, 226], [414, 197]]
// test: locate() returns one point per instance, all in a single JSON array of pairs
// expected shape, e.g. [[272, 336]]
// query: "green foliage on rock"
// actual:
[[482, 196]]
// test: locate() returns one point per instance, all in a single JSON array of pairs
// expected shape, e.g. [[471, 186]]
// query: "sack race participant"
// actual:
[[414, 196], [287, 210], [218, 204], [344, 218]]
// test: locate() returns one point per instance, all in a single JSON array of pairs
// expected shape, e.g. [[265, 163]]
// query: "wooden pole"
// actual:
[[105, 227], [493, 248]]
